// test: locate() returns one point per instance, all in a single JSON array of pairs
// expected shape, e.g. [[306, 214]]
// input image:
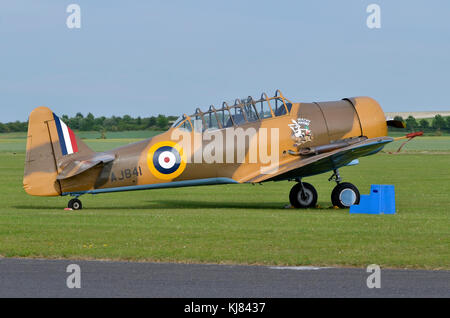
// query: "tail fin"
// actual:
[[51, 145]]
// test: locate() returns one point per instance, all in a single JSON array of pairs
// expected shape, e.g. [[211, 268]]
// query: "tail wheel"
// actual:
[[344, 195], [75, 204], [303, 195]]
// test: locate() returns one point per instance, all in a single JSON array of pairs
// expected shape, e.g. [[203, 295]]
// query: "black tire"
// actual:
[[303, 199], [344, 195], [75, 204]]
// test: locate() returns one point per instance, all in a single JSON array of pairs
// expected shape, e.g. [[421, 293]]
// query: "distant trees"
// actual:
[[436, 124], [439, 122], [411, 123], [101, 124], [13, 127], [424, 124], [87, 123], [162, 122], [3, 128]]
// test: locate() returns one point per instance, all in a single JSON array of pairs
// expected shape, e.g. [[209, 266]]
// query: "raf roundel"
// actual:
[[166, 160]]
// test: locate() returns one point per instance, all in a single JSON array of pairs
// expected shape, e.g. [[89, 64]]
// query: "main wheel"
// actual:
[[303, 197], [344, 195], [75, 204]]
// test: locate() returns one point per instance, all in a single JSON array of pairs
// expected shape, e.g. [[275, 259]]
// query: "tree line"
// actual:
[[162, 122], [437, 124], [92, 123]]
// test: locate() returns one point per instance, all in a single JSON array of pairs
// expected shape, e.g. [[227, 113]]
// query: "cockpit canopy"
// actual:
[[243, 111]]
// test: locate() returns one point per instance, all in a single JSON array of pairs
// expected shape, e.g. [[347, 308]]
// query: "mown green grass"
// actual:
[[421, 144], [242, 224]]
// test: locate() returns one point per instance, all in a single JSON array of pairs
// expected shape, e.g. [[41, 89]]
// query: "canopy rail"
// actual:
[[250, 107], [238, 104], [227, 107], [227, 116], [282, 98], [263, 98], [211, 110]]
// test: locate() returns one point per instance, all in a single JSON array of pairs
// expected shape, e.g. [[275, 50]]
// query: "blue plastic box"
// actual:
[[381, 200]]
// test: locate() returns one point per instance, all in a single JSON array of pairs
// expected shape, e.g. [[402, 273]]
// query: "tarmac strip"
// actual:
[[61, 278]]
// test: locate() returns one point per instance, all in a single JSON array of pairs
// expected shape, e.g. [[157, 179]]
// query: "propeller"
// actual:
[[396, 123]]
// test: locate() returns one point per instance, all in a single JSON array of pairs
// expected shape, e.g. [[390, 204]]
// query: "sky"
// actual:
[[145, 58]]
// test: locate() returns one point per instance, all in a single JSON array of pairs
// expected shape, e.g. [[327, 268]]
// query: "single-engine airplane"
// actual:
[[252, 141]]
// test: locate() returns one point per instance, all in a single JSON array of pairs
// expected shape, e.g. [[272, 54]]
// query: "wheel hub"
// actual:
[[305, 197], [347, 197]]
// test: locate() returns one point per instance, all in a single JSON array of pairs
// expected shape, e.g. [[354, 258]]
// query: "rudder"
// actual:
[[51, 145]]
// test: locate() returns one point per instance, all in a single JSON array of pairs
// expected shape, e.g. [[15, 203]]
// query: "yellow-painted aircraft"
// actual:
[[252, 141]]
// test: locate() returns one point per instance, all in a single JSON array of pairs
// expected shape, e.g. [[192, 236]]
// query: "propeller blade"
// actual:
[[396, 123]]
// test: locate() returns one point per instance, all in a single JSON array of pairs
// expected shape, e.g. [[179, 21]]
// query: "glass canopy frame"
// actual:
[[240, 113]]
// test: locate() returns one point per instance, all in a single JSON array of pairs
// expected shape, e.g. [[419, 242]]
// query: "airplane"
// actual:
[[251, 141]]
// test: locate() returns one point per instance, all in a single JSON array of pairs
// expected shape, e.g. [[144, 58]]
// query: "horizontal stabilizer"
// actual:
[[77, 167]]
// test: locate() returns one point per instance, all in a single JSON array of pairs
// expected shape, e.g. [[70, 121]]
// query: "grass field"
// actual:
[[240, 223]]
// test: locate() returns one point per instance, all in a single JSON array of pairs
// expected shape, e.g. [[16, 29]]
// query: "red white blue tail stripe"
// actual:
[[67, 138]]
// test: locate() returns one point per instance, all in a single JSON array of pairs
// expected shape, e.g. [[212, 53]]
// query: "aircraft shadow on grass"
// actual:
[[188, 205]]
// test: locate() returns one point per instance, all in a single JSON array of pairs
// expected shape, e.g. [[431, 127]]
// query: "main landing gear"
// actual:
[[304, 195], [75, 204], [344, 194]]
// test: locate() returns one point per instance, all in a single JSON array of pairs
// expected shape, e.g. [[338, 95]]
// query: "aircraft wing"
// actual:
[[320, 163], [77, 167]]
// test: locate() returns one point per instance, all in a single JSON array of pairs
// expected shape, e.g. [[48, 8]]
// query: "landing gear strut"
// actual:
[[335, 176], [75, 204], [303, 195], [344, 194]]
